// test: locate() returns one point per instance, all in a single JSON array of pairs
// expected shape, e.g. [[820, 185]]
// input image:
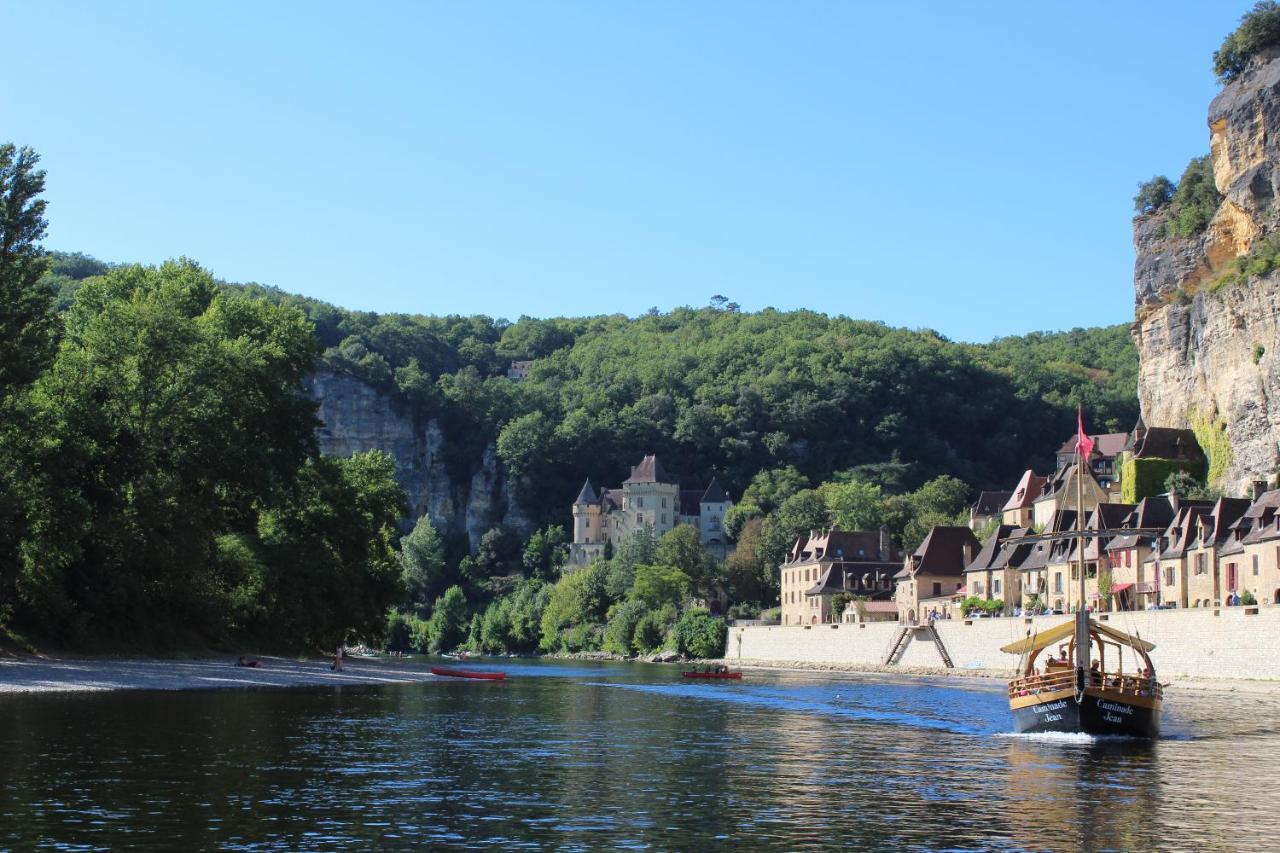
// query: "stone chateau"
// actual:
[[647, 499]]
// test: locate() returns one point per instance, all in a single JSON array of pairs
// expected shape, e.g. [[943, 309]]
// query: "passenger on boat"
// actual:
[[248, 661], [1095, 673]]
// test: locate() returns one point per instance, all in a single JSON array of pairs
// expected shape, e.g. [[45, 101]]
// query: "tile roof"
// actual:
[[990, 503], [1164, 443], [648, 471], [587, 495], [1108, 444], [990, 549], [714, 494], [1027, 490], [943, 552]]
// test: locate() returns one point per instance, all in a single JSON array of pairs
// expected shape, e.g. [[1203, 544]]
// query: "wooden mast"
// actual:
[[1082, 614]]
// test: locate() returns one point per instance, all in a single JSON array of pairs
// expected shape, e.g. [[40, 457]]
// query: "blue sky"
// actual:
[[967, 167]]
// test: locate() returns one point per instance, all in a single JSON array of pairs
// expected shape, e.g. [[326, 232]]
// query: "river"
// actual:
[[584, 756]]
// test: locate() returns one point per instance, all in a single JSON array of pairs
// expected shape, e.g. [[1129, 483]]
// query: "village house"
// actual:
[[1208, 579], [823, 563], [1168, 563], [1104, 462], [1107, 518], [1040, 587], [933, 575], [987, 508], [1060, 493], [1253, 550], [989, 575], [1019, 509], [1111, 451], [1134, 584], [519, 369], [648, 499]]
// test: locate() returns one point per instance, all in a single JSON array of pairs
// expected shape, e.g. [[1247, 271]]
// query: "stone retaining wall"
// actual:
[[1226, 642]]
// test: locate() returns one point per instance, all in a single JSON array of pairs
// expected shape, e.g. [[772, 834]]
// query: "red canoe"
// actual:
[[737, 675], [467, 673]]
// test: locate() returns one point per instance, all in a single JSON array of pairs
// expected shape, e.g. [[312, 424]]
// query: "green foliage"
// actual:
[[1258, 352], [1153, 195], [994, 606], [854, 505], [1263, 259], [578, 598], [448, 624], [1188, 486], [405, 632], [839, 602], [1143, 478], [1248, 599], [750, 578], [698, 634], [621, 628], [545, 552], [1259, 30], [422, 565], [1106, 583], [657, 585], [681, 547], [1195, 201], [1211, 434], [26, 305], [651, 630]]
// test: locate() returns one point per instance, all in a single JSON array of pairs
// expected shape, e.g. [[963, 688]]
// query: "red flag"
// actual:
[[1084, 444]]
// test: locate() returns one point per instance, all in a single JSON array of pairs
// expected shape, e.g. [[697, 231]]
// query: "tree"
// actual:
[[657, 585], [1259, 29], [749, 577], [545, 552], [839, 602], [448, 620], [174, 412], [26, 307], [698, 634], [1196, 199], [682, 548], [853, 505], [422, 565], [1153, 195], [621, 628]]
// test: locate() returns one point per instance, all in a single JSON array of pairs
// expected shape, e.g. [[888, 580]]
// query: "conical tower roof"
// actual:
[[715, 493], [587, 495], [648, 471]]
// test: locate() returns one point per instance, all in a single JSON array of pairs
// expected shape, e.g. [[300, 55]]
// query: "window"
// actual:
[[1057, 581], [1255, 565], [664, 503], [995, 587], [664, 516], [640, 502], [639, 518], [1168, 576], [1091, 570], [937, 589], [1201, 564], [713, 523]]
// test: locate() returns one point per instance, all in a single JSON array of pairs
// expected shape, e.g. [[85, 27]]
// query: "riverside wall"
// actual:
[[1224, 642]]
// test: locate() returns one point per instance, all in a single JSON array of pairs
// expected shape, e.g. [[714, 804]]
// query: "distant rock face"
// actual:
[[1212, 356], [357, 417]]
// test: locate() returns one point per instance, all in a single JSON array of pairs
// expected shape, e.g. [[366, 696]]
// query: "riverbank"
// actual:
[[1180, 684], [51, 674]]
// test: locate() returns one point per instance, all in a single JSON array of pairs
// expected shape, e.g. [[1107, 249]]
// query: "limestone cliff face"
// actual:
[[357, 417], [1210, 356]]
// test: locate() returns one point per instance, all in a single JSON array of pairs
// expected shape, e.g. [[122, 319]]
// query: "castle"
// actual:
[[648, 499]]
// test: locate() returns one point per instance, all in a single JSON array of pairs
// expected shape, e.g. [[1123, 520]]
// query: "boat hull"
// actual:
[[467, 673], [1097, 713]]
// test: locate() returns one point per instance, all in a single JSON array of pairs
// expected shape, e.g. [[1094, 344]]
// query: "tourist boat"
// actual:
[[467, 673], [698, 674], [1075, 692]]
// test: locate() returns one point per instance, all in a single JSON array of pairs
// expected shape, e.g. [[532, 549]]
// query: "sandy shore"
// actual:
[[43, 674]]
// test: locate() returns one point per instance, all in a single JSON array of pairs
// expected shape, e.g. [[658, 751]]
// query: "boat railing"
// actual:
[[1050, 682]]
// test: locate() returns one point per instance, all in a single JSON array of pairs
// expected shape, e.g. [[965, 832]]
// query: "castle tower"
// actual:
[[711, 508], [649, 498], [586, 516]]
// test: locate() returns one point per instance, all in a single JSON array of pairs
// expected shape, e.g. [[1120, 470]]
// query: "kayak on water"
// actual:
[[467, 673]]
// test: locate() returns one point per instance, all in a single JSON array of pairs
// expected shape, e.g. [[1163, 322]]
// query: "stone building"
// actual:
[[647, 499], [1059, 493], [933, 574], [823, 563], [1019, 509], [987, 508], [1135, 585], [993, 574], [1252, 552]]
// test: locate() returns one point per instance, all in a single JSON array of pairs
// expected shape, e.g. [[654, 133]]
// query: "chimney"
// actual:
[[1259, 488], [886, 547]]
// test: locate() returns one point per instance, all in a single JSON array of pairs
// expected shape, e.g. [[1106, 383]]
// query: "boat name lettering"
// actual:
[[1111, 706], [1053, 706]]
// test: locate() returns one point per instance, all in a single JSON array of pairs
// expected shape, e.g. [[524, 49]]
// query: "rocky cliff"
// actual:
[[1209, 341], [357, 417]]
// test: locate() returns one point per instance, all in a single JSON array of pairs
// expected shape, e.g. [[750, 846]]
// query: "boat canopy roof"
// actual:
[[1038, 641]]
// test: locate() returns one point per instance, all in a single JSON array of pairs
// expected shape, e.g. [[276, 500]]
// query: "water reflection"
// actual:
[[616, 755]]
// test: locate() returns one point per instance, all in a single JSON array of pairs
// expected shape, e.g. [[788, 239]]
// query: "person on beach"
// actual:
[[337, 659]]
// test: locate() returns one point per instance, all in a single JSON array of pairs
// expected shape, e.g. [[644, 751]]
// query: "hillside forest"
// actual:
[[160, 482]]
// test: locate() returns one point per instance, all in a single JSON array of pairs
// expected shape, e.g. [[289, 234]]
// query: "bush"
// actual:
[[1195, 201], [698, 634], [1248, 599], [1153, 195], [651, 630], [448, 620], [1259, 29], [621, 629]]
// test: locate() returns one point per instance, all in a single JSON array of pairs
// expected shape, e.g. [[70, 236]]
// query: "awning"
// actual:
[[1061, 632], [1120, 587]]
